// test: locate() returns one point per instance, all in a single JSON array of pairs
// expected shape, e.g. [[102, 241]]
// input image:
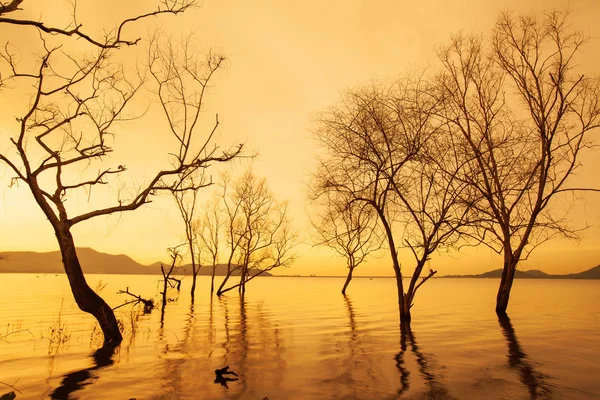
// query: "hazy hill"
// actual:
[[593, 273], [92, 262]]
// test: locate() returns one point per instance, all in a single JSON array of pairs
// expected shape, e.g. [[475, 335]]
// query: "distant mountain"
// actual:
[[593, 273], [92, 262]]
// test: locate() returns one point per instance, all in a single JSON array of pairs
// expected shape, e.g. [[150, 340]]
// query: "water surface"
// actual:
[[299, 338]]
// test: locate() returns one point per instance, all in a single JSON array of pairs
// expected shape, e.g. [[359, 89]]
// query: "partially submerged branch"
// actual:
[[148, 303]]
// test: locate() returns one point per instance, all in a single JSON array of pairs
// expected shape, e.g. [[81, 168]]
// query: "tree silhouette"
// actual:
[[349, 229], [521, 117], [61, 141], [260, 238], [385, 149]]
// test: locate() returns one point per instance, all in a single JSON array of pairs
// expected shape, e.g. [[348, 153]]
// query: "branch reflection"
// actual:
[[535, 381], [356, 359], [252, 348], [428, 370], [76, 380]]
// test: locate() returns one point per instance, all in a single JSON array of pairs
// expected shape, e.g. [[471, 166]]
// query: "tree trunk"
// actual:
[[243, 285], [405, 316], [227, 275], [404, 310], [243, 274], [87, 300], [194, 273], [348, 279], [212, 279], [508, 275], [193, 290]]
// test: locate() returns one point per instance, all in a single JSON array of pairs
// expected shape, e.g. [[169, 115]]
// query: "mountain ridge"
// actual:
[[92, 262], [592, 273]]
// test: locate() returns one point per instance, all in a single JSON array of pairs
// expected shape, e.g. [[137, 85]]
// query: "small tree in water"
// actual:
[[63, 134], [186, 203], [349, 229], [208, 230], [259, 236]]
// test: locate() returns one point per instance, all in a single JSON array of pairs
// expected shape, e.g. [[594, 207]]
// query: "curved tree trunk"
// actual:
[[227, 275], [85, 297], [508, 275], [348, 279]]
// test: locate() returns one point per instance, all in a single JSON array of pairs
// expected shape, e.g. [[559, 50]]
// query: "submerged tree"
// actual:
[[349, 229], [385, 149], [209, 233], [186, 203], [259, 235], [64, 133], [520, 159]]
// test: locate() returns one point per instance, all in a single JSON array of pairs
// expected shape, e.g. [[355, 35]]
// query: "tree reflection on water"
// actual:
[[76, 380], [428, 370], [536, 382], [352, 361]]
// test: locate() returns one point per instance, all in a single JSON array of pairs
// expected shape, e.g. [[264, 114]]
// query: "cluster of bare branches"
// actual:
[[386, 151], [77, 99], [114, 38], [476, 153], [257, 228], [521, 116], [347, 227]]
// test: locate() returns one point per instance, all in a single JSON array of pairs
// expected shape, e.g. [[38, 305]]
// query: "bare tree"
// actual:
[[209, 227], [260, 230], [520, 158], [383, 149], [168, 281], [231, 226], [348, 228], [186, 203], [435, 199], [67, 129]]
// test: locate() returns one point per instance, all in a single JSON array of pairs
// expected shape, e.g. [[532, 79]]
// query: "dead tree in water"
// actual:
[[382, 151], [168, 281], [522, 153], [148, 303], [349, 229], [186, 203], [260, 237], [61, 141], [209, 234]]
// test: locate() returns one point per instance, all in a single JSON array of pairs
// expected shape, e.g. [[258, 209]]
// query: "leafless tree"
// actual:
[[432, 195], [168, 281], [522, 116], [383, 149], [186, 203], [231, 226], [260, 230], [65, 132], [349, 228], [209, 233]]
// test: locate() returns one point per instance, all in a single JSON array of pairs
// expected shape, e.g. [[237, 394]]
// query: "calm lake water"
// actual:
[[299, 338]]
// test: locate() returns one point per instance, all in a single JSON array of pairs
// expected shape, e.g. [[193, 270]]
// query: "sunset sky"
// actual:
[[287, 61]]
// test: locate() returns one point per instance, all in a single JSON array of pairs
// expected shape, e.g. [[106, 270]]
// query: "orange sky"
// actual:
[[289, 60]]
